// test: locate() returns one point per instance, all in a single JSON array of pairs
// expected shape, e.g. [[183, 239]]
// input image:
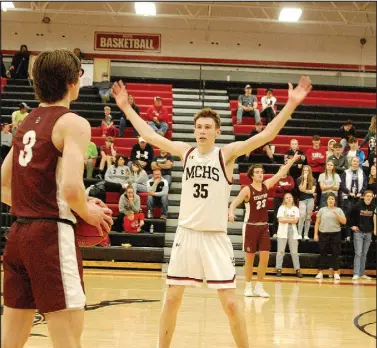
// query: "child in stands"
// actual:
[[133, 222]]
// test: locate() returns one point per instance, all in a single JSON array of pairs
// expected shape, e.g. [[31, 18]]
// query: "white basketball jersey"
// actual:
[[205, 192]]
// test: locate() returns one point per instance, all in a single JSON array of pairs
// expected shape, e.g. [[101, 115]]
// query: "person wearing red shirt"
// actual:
[[157, 115], [133, 222], [284, 185], [316, 157]]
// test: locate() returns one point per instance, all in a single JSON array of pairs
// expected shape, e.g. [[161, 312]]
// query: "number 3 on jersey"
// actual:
[[200, 191], [26, 154], [261, 204]]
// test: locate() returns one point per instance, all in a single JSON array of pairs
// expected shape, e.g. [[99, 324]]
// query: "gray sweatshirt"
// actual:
[[141, 178], [119, 175], [125, 204]]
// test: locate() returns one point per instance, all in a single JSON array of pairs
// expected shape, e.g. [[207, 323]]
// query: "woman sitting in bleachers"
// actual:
[[138, 178], [306, 185], [129, 201], [330, 148], [117, 175], [329, 182]]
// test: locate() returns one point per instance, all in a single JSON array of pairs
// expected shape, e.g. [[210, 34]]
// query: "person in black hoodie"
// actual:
[[143, 152], [20, 64], [363, 225], [346, 132]]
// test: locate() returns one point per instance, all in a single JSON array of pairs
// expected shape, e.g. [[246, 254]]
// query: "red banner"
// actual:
[[127, 42]]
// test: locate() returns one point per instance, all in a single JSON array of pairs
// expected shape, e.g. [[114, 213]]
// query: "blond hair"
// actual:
[[208, 113], [372, 127], [107, 108]]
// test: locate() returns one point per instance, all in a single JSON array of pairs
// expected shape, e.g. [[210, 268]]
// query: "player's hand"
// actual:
[[99, 217], [298, 94], [98, 202], [231, 217], [120, 94]]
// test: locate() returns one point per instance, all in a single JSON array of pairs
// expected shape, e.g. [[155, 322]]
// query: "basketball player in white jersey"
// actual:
[[202, 249]]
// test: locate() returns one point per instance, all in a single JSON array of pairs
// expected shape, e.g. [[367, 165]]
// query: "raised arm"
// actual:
[[242, 197], [283, 170], [120, 94], [295, 97]]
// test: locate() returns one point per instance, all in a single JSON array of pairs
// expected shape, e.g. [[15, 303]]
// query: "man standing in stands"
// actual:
[[339, 159], [20, 64], [346, 132], [247, 106], [157, 115]]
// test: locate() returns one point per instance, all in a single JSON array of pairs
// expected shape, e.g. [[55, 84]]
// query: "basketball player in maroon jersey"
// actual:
[[42, 181], [255, 230]]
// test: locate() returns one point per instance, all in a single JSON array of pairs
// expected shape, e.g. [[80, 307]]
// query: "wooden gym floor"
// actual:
[[124, 307]]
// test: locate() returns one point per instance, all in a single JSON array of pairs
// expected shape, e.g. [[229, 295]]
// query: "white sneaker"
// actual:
[[336, 276], [355, 277], [275, 236], [259, 292], [366, 277], [319, 276], [299, 237], [306, 238], [248, 292]]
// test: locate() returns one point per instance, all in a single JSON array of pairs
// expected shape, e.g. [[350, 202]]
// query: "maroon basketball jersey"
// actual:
[[37, 165], [256, 207]]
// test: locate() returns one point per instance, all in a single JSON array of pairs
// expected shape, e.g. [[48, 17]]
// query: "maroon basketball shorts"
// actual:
[[43, 267], [256, 237]]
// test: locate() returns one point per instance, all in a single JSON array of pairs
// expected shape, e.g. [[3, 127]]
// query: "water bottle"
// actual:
[[149, 214], [151, 229]]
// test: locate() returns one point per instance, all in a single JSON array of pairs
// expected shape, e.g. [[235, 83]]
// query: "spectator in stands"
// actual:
[[164, 162], [264, 148], [316, 156], [329, 181], [2, 66], [327, 231], [107, 124], [129, 201], [158, 189], [117, 175], [157, 115], [142, 152], [108, 154], [123, 122], [285, 185], [268, 104], [353, 184], [346, 132], [104, 88], [330, 148], [372, 182], [339, 159], [19, 115], [133, 223], [354, 151], [19, 68], [90, 159], [78, 53], [288, 215], [296, 169], [6, 140], [248, 106], [363, 225], [139, 177], [370, 137], [307, 187]]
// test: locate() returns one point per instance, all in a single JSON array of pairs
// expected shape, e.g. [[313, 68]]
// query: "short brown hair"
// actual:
[[316, 138], [337, 146], [352, 140], [208, 113], [250, 172], [259, 123], [109, 139], [53, 71], [368, 191]]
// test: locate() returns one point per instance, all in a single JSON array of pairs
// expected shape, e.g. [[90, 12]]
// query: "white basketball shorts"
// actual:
[[198, 255]]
